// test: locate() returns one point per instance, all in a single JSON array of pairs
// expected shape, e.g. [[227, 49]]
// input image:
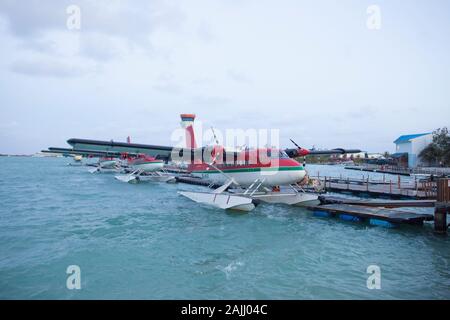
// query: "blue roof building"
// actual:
[[410, 146]]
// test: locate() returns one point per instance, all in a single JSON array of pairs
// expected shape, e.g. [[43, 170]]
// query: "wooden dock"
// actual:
[[379, 188], [378, 203], [394, 171], [375, 212], [375, 216]]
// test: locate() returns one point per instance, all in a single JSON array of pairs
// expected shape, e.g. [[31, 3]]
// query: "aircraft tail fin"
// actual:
[[187, 121]]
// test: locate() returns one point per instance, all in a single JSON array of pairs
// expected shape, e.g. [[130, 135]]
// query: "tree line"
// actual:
[[438, 151]]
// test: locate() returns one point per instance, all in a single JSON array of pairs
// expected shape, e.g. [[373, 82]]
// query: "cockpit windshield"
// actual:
[[277, 154]]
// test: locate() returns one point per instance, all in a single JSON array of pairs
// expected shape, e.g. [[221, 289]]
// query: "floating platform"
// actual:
[[375, 216], [392, 191], [378, 203], [387, 171]]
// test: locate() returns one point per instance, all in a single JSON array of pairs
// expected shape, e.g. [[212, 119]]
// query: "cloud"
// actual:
[[8, 125], [109, 29], [113, 17], [166, 83], [102, 47], [204, 32], [34, 17], [52, 68], [238, 76], [365, 112], [211, 101], [203, 81]]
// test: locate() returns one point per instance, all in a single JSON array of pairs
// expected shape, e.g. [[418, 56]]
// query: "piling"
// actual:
[[442, 206]]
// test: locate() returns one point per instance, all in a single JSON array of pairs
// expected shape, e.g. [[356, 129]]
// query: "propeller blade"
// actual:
[[215, 137], [295, 144]]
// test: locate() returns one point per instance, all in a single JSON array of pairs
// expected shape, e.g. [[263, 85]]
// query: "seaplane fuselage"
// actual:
[[271, 167], [145, 163], [107, 162], [274, 170]]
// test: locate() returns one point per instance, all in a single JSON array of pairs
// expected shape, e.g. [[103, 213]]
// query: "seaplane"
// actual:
[[106, 164], [246, 177], [144, 168], [77, 161], [243, 178]]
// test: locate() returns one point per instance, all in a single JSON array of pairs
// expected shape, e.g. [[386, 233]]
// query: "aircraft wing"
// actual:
[[98, 148], [86, 153], [304, 152]]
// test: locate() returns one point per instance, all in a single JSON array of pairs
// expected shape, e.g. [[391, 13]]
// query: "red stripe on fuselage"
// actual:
[[274, 163]]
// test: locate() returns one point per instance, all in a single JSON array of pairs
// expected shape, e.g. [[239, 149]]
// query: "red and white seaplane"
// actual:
[[144, 168], [246, 177], [106, 164]]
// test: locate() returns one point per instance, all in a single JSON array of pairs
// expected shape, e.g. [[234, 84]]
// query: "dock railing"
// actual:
[[436, 171], [399, 186]]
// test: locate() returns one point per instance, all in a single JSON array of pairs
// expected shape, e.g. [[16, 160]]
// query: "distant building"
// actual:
[[377, 156], [359, 155], [408, 148]]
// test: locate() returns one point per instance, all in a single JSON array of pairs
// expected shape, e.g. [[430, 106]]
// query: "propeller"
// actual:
[[217, 154], [295, 144], [215, 137], [301, 152]]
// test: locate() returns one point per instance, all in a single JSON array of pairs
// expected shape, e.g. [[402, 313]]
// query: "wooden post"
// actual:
[[440, 220], [442, 205], [398, 182], [367, 183]]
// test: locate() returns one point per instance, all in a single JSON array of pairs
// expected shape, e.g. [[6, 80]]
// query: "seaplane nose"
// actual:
[[301, 174]]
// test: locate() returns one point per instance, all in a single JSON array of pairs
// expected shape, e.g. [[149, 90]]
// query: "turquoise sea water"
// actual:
[[147, 242]]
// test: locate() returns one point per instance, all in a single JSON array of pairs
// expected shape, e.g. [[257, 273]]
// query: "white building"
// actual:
[[359, 155], [375, 156], [411, 145]]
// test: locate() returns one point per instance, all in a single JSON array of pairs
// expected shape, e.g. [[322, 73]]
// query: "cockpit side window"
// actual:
[[283, 155]]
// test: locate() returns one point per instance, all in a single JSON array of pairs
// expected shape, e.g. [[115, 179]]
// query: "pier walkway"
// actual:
[[378, 203], [375, 216], [382, 188]]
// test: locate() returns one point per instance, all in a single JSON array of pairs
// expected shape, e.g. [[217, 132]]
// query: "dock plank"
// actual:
[[379, 190], [364, 212], [378, 203]]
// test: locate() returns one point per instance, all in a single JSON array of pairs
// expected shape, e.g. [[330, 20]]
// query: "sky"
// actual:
[[319, 71]]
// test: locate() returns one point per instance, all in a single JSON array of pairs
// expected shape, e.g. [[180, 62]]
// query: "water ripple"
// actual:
[[145, 241]]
